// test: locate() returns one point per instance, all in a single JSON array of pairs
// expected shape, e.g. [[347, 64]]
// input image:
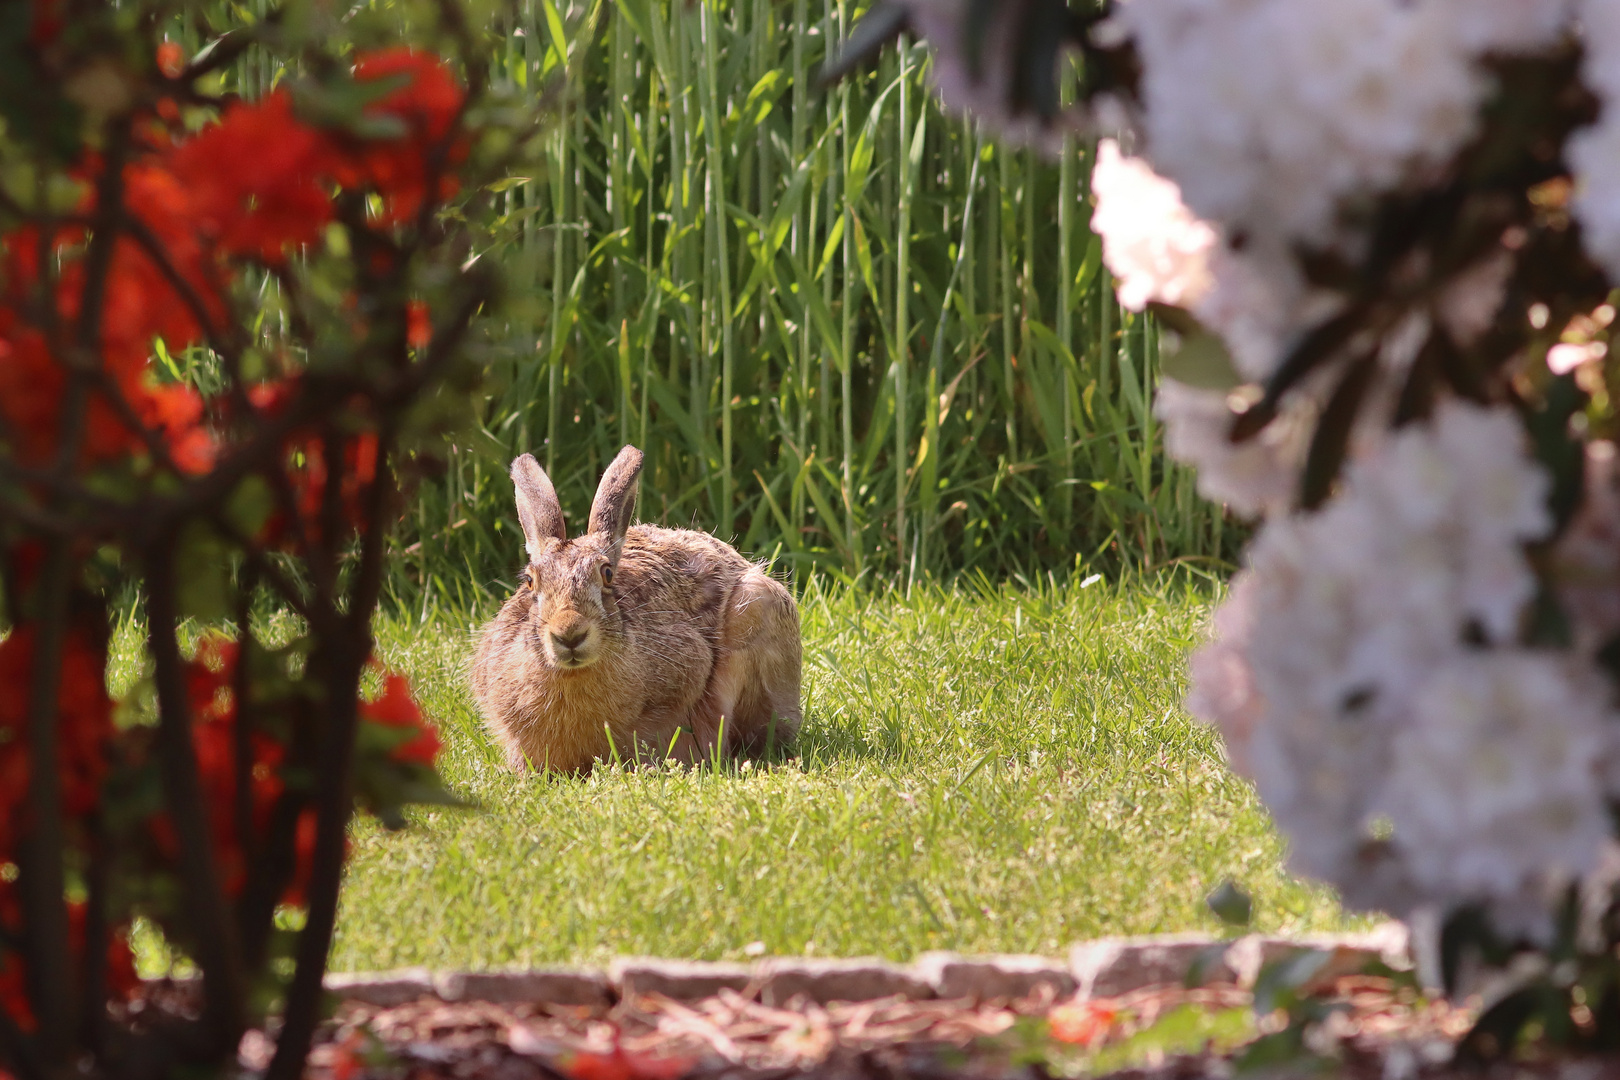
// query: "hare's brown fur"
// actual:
[[636, 641]]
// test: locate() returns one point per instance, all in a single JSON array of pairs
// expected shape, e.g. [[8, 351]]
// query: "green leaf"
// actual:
[[1201, 362], [250, 506], [202, 574], [507, 184], [1280, 982], [1230, 904]]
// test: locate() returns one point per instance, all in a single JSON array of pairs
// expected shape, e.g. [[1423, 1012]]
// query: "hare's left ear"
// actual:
[[615, 504]]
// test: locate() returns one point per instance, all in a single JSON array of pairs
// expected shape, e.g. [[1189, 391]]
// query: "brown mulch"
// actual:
[[1381, 1032]]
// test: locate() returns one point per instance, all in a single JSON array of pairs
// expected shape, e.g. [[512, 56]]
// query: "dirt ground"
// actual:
[[1374, 1030]]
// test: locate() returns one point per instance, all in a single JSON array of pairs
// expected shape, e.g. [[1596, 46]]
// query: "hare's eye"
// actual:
[[607, 575], [525, 579]]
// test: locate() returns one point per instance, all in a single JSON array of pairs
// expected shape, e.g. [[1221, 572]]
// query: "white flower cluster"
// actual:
[[1159, 252], [1271, 113], [1157, 249], [1594, 152], [1254, 478], [1365, 676]]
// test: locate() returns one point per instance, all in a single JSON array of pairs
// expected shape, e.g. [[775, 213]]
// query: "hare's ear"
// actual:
[[615, 504], [538, 509]]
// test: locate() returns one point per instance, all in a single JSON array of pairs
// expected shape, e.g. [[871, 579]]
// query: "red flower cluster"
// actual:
[[395, 708], [122, 979], [426, 103], [210, 678], [304, 460], [83, 727], [255, 187], [262, 180]]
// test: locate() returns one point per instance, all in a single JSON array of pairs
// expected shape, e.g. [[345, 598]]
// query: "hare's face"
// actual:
[[574, 615], [570, 582]]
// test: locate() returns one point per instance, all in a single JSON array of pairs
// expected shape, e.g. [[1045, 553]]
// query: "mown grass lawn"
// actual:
[[1002, 769]]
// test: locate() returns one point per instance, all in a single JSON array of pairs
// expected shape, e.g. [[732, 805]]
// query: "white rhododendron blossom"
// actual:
[[1594, 152], [1256, 477], [1268, 113], [1416, 666], [1159, 252], [1331, 659], [1152, 243], [1500, 781]]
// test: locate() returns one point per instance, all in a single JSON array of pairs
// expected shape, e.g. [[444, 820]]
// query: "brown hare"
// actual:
[[633, 641]]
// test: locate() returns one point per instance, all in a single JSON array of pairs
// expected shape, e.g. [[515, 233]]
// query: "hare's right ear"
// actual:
[[538, 509]]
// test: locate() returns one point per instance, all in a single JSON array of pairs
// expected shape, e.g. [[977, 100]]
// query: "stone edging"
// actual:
[[1103, 968]]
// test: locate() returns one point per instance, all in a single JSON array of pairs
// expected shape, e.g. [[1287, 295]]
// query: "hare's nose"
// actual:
[[570, 639]]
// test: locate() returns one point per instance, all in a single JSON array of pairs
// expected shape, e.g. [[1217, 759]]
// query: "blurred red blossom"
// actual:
[[211, 678], [122, 979], [1084, 1023], [83, 726], [260, 179], [258, 185], [396, 708], [418, 325], [425, 104]]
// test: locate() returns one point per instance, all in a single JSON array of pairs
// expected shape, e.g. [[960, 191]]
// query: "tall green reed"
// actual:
[[850, 332]]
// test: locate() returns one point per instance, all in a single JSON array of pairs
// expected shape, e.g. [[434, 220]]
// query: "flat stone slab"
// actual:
[[1107, 967], [1112, 966], [558, 986], [1389, 943], [984, 978], [384, 989], [683, 980], [824, 981]]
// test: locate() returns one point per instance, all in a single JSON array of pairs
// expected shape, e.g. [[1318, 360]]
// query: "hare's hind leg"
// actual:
[[755, 686]]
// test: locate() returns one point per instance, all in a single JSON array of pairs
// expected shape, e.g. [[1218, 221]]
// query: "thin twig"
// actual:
[[40, 847], [217, 953]]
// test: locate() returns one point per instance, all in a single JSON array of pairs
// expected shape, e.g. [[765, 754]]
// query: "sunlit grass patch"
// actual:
[[992, 769]]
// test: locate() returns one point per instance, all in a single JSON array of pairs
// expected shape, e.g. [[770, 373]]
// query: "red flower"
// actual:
[[1084, 1023], [209, 679], [426, 105], [259, 179], [418, 325], [47, 23], [396, 708], [257, 185], [122, 980], [84, 724], [176, 412], [622, 1066], [139, 304], [171, 59]]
